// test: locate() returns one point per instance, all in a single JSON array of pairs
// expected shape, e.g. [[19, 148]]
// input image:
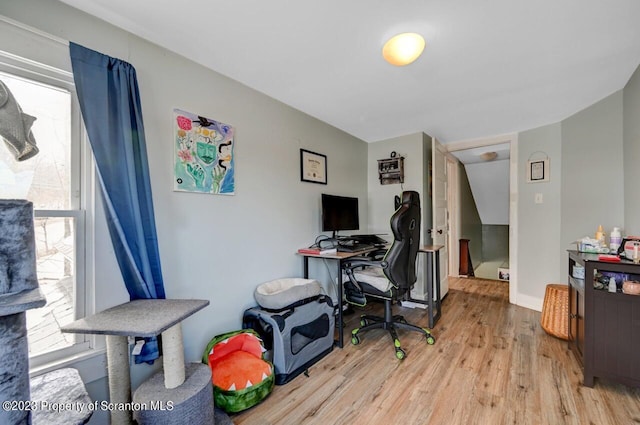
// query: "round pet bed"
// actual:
[[280, 293]]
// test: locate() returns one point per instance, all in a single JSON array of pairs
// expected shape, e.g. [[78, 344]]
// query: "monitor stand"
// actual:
[[337, 237]]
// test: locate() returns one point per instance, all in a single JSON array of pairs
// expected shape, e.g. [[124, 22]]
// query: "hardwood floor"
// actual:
[[492, 364]]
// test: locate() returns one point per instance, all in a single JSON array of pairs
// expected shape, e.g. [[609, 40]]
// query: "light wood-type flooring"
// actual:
[[492, 364]]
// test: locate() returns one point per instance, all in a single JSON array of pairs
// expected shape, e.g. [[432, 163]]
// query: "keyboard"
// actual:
[[368, 239], [358, 247]]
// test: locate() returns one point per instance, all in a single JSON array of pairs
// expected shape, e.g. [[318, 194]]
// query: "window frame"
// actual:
[[81, 201]]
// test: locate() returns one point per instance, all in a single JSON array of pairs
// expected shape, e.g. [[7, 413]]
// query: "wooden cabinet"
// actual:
[[576, 317], [604, 327]]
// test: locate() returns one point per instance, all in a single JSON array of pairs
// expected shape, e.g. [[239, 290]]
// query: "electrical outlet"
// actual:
[[538, 198]]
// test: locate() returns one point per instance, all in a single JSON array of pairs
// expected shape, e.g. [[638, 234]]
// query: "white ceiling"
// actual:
[[490, 67], [474, 155]]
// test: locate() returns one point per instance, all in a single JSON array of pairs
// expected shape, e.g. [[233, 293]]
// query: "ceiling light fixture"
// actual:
[[488, 156], [403, 49]]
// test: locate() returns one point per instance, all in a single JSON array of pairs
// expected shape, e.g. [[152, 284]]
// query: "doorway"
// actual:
[[509, 210]]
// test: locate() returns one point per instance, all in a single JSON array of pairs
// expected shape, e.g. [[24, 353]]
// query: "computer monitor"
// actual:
[[339, 213]]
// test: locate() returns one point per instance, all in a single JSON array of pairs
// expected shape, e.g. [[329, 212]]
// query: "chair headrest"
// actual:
[[410, 197]]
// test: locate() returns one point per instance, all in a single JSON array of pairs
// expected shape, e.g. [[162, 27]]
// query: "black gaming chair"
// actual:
[[398, 274]]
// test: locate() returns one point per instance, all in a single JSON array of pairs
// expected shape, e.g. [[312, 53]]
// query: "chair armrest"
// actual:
[[352, 263], [361, 262], [378, 254], [371, 277]]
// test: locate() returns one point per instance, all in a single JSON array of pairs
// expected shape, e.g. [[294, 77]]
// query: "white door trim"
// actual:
[[453, 209]]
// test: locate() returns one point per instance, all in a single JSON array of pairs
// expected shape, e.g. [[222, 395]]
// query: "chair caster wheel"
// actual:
[[355, 340], [400, 354], [431, 340], [363, 323]]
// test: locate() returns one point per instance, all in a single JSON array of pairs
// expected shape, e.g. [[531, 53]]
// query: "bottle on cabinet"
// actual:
[[600, 235], [615, 239], [612, 284]]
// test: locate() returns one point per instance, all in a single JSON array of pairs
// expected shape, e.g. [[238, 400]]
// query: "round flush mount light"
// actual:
[[403, 49], [489, 156]]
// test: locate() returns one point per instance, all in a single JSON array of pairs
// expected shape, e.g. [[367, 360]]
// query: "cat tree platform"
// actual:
[[142, 318]]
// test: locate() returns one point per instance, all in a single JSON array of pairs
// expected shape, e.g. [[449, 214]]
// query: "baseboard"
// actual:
[[412, 304], [527, 301]]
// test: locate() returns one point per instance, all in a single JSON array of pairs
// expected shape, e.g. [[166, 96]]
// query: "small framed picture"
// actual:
[[538, 170], [313, 167]]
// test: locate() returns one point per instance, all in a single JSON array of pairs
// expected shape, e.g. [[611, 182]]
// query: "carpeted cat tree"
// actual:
[[19, 292]]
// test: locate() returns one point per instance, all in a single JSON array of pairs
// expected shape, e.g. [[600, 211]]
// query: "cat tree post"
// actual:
[[173, 356], [119, 379]]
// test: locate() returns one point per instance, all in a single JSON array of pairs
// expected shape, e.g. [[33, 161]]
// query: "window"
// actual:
[[52, 181]]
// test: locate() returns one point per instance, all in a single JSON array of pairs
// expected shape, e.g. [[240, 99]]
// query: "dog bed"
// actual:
[[282, 293], [240, 375]]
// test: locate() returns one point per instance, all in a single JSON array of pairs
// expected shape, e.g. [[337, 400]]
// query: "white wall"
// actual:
[[217, 248], [538, 224], [631, 148], [592, 171], [415, 149], [585, 190]]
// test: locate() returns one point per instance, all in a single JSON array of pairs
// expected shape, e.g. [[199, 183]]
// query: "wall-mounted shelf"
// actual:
[[391, 170]]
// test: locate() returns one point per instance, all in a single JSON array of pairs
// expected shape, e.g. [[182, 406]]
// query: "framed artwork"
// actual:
[[538, 170], [313, 167], [203, 149]]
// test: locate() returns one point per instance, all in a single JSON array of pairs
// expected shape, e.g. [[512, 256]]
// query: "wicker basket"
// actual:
[[555, 311]]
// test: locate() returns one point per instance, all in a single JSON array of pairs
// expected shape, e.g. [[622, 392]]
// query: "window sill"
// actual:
[[91, 364]]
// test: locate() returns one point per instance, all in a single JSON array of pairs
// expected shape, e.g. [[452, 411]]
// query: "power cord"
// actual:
[[333, 284], [324, 242]]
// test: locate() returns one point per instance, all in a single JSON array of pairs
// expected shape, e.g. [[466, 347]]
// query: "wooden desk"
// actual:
[[432, 280], [339, 258]]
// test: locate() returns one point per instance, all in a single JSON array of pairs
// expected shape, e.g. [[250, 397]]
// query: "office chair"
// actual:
[[390, 278]]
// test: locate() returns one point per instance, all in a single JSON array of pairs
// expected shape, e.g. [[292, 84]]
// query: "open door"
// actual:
[[440, 226]]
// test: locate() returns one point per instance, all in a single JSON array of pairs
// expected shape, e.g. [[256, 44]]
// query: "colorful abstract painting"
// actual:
[[203, 154]]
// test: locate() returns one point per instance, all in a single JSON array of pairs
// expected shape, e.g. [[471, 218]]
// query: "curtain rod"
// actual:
[[34, 30]]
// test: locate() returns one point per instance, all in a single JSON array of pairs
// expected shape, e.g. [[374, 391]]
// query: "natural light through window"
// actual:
[[50, 180]]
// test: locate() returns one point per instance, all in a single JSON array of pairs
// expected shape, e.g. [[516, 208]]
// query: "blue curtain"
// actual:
[[110, 103]]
